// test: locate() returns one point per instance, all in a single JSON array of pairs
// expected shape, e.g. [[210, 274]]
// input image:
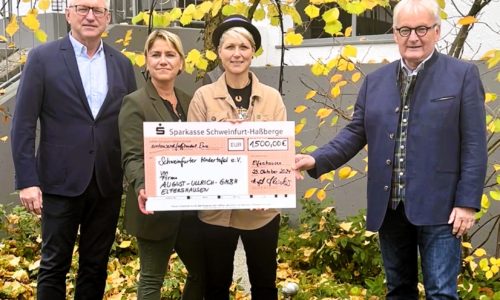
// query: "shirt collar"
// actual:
[[417, 69], [81, 49]]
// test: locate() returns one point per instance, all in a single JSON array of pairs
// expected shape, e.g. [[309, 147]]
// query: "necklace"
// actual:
[[238, 98]]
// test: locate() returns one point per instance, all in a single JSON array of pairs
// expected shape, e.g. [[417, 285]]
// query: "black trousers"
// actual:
[[260, 249], [96, 218]]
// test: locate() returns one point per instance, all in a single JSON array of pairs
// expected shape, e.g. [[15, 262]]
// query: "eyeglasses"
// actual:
[[83, 10], [420, 31]]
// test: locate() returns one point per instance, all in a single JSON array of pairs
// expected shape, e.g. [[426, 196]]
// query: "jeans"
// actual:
[[96, 217], [439, 249], [260, 249], [154, 257]]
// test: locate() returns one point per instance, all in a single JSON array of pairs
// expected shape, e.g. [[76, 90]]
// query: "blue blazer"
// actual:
[[72, 144], [446, 143]]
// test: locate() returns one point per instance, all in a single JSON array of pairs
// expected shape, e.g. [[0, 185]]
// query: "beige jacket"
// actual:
[[212, 102]]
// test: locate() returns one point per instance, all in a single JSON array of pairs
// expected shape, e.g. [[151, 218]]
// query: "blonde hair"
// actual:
[[165, 35], [238, 32], [417, 6]]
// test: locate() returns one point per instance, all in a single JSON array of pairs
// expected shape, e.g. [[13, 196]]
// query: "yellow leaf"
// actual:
[[41, 35], [317, 69], [193, 55], [496, 167], [336, 78], [321, 195], [333, 28], [185, 19], [352, 174], [483, 264], [31, 21], [202, 64], [479, 252], [334, 121], [44, 4], [310, 192], [105, 34], [467, 245], [335, 91], [205, 7], [300, 108], [4, 138], [259, 14], [305, 235], [216, 7], [175, 13], [348, 31], [312, 11], [323, 112], [331, 15], [310, 94], [298, 128], [140, 60], [3, 38], [488, 274], [210, 55], [485, 202], [467, 20], [297, 143], [346, 226], [344, 172], [356, 76], [349, 51], [327, 176], [12, 27], [369, 233], [293, 39], [495, 195], [125, 244], [490, 97], [228, 10]]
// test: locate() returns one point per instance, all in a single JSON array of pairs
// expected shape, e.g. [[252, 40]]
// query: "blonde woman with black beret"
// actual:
[[238, 95]]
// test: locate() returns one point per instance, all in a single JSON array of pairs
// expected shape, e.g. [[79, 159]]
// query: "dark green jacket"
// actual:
[[144, 105]]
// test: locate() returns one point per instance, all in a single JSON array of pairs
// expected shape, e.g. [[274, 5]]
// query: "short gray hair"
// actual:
[[106, 3], [416, 6]]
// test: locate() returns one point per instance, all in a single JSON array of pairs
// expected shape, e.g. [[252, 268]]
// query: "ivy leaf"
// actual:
[[312, 11], [310, 192], [301, 108], [467, 20]]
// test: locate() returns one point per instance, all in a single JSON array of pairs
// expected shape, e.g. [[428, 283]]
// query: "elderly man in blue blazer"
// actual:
[[74, 88], [423, 119]]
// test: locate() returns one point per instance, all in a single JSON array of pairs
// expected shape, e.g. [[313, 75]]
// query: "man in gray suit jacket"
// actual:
[[423, 119], [74, 87]]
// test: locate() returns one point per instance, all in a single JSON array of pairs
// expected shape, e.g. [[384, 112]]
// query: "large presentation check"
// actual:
[[219, 165]]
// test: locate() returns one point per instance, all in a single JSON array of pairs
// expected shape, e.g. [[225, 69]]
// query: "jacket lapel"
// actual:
[[70, 60], [110, 70], [157, 102]]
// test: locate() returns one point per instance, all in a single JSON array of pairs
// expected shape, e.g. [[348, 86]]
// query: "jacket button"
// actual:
[[391, 136], [213, 119], [388, 162], [396, 110], [386, 188]]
